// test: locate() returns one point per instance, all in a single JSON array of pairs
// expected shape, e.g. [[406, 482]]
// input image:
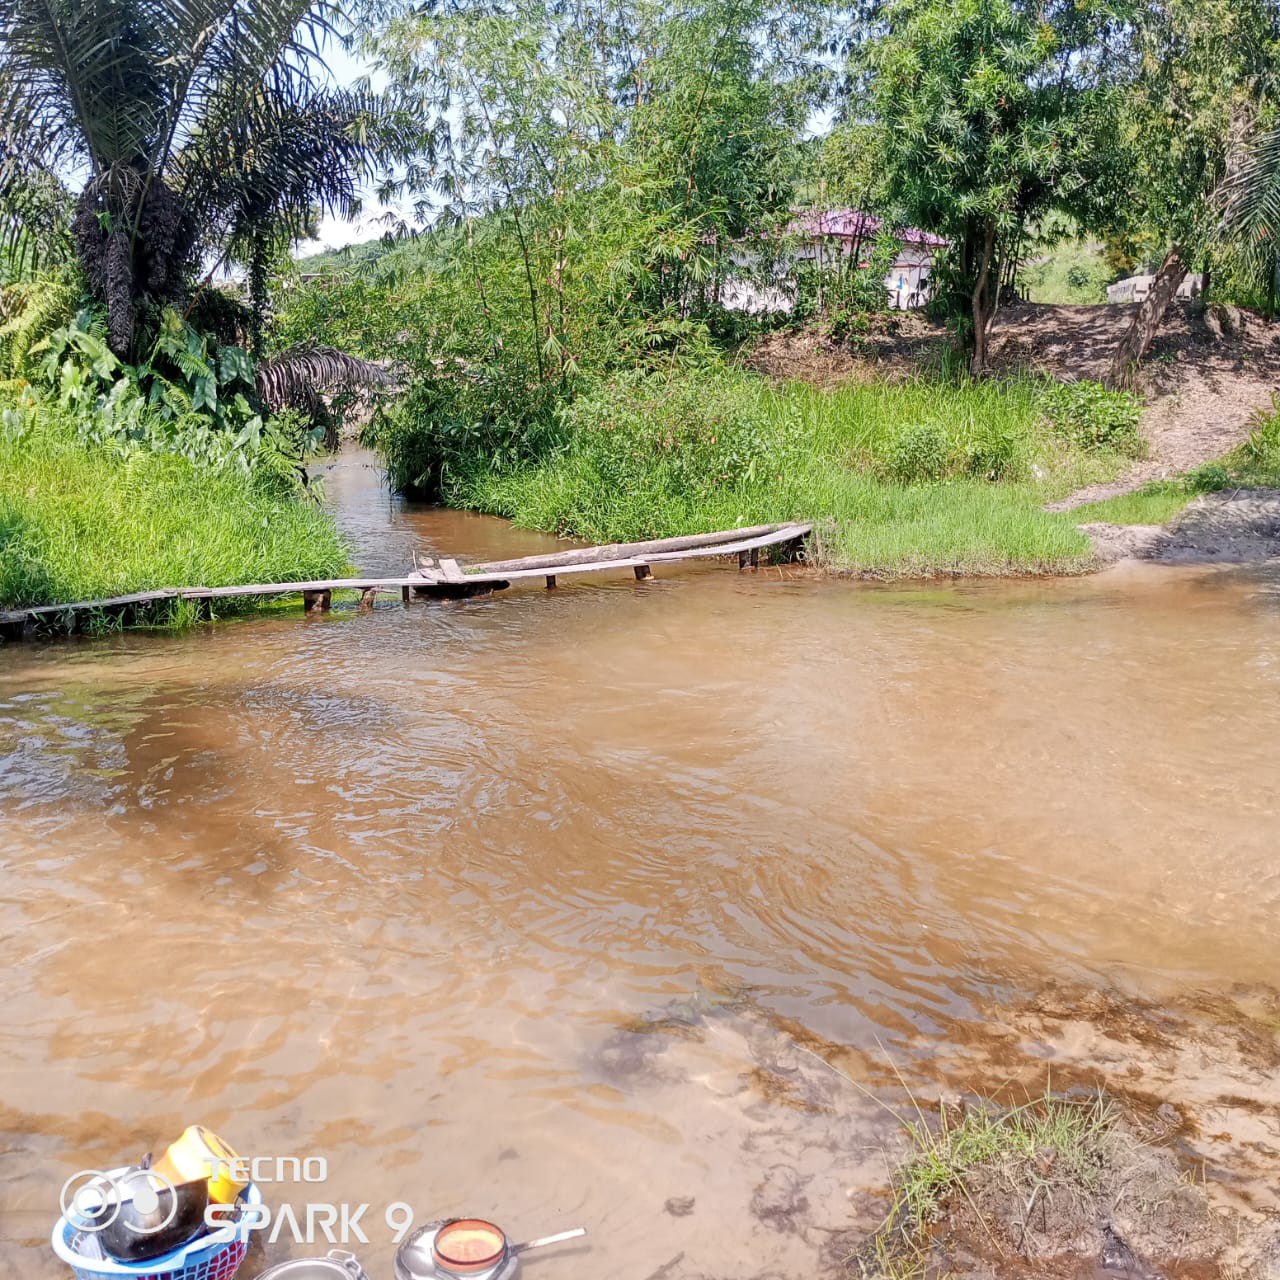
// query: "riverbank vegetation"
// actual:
[[563, 325], [1058, 1182], [596, 216], [916, 478], [148, 437], [85, 519]]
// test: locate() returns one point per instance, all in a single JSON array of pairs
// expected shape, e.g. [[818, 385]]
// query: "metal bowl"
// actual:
[[336, 1265]]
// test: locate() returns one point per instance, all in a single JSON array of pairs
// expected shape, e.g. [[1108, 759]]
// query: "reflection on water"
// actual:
[[542, 906]]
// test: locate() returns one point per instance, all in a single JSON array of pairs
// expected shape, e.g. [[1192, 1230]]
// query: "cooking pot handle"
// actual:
[[349, 1261]]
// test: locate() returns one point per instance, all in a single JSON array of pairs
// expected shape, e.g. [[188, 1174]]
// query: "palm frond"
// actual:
[[1249, 199], [294, 377]]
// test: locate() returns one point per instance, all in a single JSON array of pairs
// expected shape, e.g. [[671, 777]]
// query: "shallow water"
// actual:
[[546, 906]]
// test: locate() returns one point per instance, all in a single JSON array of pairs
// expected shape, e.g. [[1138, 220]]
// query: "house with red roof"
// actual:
[[830, 238]]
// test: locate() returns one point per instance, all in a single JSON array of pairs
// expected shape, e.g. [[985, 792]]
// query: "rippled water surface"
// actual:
[[548, 906]]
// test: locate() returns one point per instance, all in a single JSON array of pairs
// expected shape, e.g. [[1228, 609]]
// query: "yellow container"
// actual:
[[201, 1154]]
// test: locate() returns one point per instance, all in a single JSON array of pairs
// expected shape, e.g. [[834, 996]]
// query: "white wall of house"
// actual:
[[1136, 288], [906, 282]]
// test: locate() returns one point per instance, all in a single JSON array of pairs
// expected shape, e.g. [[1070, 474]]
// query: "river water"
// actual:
[[555, 906]]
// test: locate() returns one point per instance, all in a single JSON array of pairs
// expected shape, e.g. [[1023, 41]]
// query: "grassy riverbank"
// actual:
[[82, 520], [915, 478]]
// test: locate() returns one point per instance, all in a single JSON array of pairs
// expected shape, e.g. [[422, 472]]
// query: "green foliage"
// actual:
[[29, 310], [1203, 72], [846, 289], [1070, 272], [82, 520], [852, 168], [693, 449], [919, 453], [585, 176], [1257, 461], [988, 118], [1091, 417], [190, 397]]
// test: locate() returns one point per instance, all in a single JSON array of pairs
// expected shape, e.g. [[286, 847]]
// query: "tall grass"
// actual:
[[902, 479], [79, 522]]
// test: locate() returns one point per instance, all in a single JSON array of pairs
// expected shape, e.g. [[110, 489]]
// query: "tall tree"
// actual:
[[1196, 79], [989, 115]]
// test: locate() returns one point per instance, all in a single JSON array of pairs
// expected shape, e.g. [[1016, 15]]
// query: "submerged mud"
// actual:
[[650, 907]]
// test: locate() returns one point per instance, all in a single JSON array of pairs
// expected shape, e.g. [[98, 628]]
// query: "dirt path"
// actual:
[[1238, 526], [1203, 390]]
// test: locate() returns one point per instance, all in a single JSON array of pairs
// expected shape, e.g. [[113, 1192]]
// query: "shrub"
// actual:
[[994, 451], [1092, 418], [1209, 478], [920, 452]]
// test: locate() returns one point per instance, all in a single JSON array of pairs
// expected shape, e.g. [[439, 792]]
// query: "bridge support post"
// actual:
[[368, 598], [551, 581], [642, 572], [316, 601]]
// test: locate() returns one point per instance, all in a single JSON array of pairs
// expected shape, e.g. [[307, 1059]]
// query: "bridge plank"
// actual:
[[448, 573]]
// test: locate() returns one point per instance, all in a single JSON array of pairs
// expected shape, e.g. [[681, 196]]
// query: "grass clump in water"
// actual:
[[912, 479], [80, 521], [975, 1165]]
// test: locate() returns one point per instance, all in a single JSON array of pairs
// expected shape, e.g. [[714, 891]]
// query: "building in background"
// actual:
[[831, 239], [1136, 288], [827, 238]]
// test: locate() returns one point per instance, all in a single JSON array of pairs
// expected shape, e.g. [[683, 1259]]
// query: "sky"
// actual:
[[345, 69]]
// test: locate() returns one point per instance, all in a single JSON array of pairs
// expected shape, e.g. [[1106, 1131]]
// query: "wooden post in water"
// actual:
[[642, 572], [551, 581], [368, 598], [316, 601]]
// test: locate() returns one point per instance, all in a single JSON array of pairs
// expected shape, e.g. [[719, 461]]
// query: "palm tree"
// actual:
[[1249, 200], [279, 163], [159, 108]]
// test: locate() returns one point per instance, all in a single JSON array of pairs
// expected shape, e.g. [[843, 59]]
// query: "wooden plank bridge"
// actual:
[[430, 578]]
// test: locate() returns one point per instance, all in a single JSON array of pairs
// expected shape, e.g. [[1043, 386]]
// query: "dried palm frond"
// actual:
[[293, 378]]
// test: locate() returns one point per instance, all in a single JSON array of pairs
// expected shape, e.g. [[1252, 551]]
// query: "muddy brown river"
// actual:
[[636, 906]]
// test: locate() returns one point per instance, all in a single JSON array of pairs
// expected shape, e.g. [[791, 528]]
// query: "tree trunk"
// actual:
[[1137, 339], [983, 300], [119, 291], [257, 293]]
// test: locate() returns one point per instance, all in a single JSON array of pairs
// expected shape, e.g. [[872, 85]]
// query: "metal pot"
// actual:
[[146, 1216], [335, 1265]]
